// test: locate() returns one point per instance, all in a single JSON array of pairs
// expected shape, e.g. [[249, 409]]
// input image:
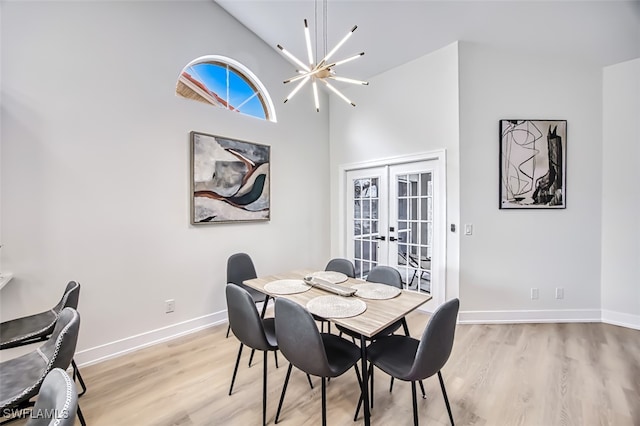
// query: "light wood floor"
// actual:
[[525, 374]]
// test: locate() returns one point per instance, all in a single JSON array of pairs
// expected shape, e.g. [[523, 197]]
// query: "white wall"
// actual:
[[512, 251], [620, 194], [95, 166], [410, 109]]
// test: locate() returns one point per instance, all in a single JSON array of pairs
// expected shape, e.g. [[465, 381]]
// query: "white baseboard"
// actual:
[[143, 340], [510, 317], [621, 319]]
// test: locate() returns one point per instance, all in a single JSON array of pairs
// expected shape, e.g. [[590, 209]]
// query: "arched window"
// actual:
[[226, 83]]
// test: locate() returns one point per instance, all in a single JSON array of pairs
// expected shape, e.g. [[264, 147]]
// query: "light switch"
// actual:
[[468, 229]]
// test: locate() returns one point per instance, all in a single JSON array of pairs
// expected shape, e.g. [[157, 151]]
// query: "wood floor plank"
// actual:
[[512, 374]]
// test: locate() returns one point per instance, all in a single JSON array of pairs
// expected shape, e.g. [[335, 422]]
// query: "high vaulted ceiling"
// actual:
[[393, 32]]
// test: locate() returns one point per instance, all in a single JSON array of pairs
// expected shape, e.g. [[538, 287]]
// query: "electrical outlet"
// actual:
[[559, 293], [169, 306], [534, 293]]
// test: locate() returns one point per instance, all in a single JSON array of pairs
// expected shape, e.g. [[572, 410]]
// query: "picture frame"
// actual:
[[533, 164], [230, 180]]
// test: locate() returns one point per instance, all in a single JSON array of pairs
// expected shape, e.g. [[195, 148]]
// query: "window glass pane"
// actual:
[[358, 250], [358, 265], [402, 186], [225, 83], [414, 209], [357, 227], [414, 233], [425, 183], [413, 185], [366, 227], [402, 208], [425, 255], [374, 209], [366, 268], [374, 251], [374, 227], [425, 237], [366, 250], [366, 208], [424, 209]]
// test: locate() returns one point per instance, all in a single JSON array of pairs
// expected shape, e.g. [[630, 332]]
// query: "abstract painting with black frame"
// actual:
[[229, 180], [533, 164]]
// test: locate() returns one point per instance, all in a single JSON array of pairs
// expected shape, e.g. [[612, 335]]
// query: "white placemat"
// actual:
[[331, 276], [376, 291], [336, 306], [286, 287]]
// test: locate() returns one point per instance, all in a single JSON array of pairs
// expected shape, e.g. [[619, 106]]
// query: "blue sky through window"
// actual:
[[242, 95]]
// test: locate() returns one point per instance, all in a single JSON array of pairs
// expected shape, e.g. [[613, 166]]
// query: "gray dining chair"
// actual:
[[57, 402], [252, 331], [38, 327], [318, 354], [22, 377], [240, 267], [344, 266], [411, 360], [390, 276]]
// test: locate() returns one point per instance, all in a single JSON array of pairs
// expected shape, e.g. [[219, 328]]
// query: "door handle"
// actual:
[[394, 239], [380, 237]]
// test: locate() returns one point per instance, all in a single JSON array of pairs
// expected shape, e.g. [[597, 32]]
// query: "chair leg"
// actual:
[[264, 389], [329, 326], [446, 400], [415, 404], [76, 373], [284, 390], [264, 306], [391, 385], [355, 417], [235, 370], [324, 401], [309, 379], [405, 327], [424, 394], [80, 416], [275, 355], [228, 330], [253, 351]]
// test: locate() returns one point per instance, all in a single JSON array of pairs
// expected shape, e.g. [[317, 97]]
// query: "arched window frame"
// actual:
[[247, 75]]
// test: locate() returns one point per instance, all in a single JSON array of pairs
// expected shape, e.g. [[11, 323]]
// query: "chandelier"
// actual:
[[320, 71]]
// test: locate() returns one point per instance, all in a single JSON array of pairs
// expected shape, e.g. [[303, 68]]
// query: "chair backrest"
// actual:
[[385, 275], [244, 319], [69, 298], [61, 346], [341, 265], [57, 401], [299, 339], [240, 268], [436, 341]]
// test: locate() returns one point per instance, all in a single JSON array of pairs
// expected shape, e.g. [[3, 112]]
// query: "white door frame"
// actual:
[[440, 213]]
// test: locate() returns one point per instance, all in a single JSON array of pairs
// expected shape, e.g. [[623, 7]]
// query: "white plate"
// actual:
[[376, 291], [336, 306], [331, 276], [286, 287]]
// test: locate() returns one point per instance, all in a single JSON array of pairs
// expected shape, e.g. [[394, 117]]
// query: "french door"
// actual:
[[391, 215]]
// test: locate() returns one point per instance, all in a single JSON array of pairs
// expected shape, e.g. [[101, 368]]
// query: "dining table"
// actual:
[[378, 314]]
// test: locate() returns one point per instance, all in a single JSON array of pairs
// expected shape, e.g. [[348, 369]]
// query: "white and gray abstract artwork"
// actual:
[[230, 180]]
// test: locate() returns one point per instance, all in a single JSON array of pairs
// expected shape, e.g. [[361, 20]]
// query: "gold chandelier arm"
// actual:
[[307, 38], [348, 80], [337, 92], [294, 59], [315, 95], [349, 59], [335, 49], [298, 87]]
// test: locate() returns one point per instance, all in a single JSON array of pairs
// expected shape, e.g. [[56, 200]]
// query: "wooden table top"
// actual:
[[379, 313]]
